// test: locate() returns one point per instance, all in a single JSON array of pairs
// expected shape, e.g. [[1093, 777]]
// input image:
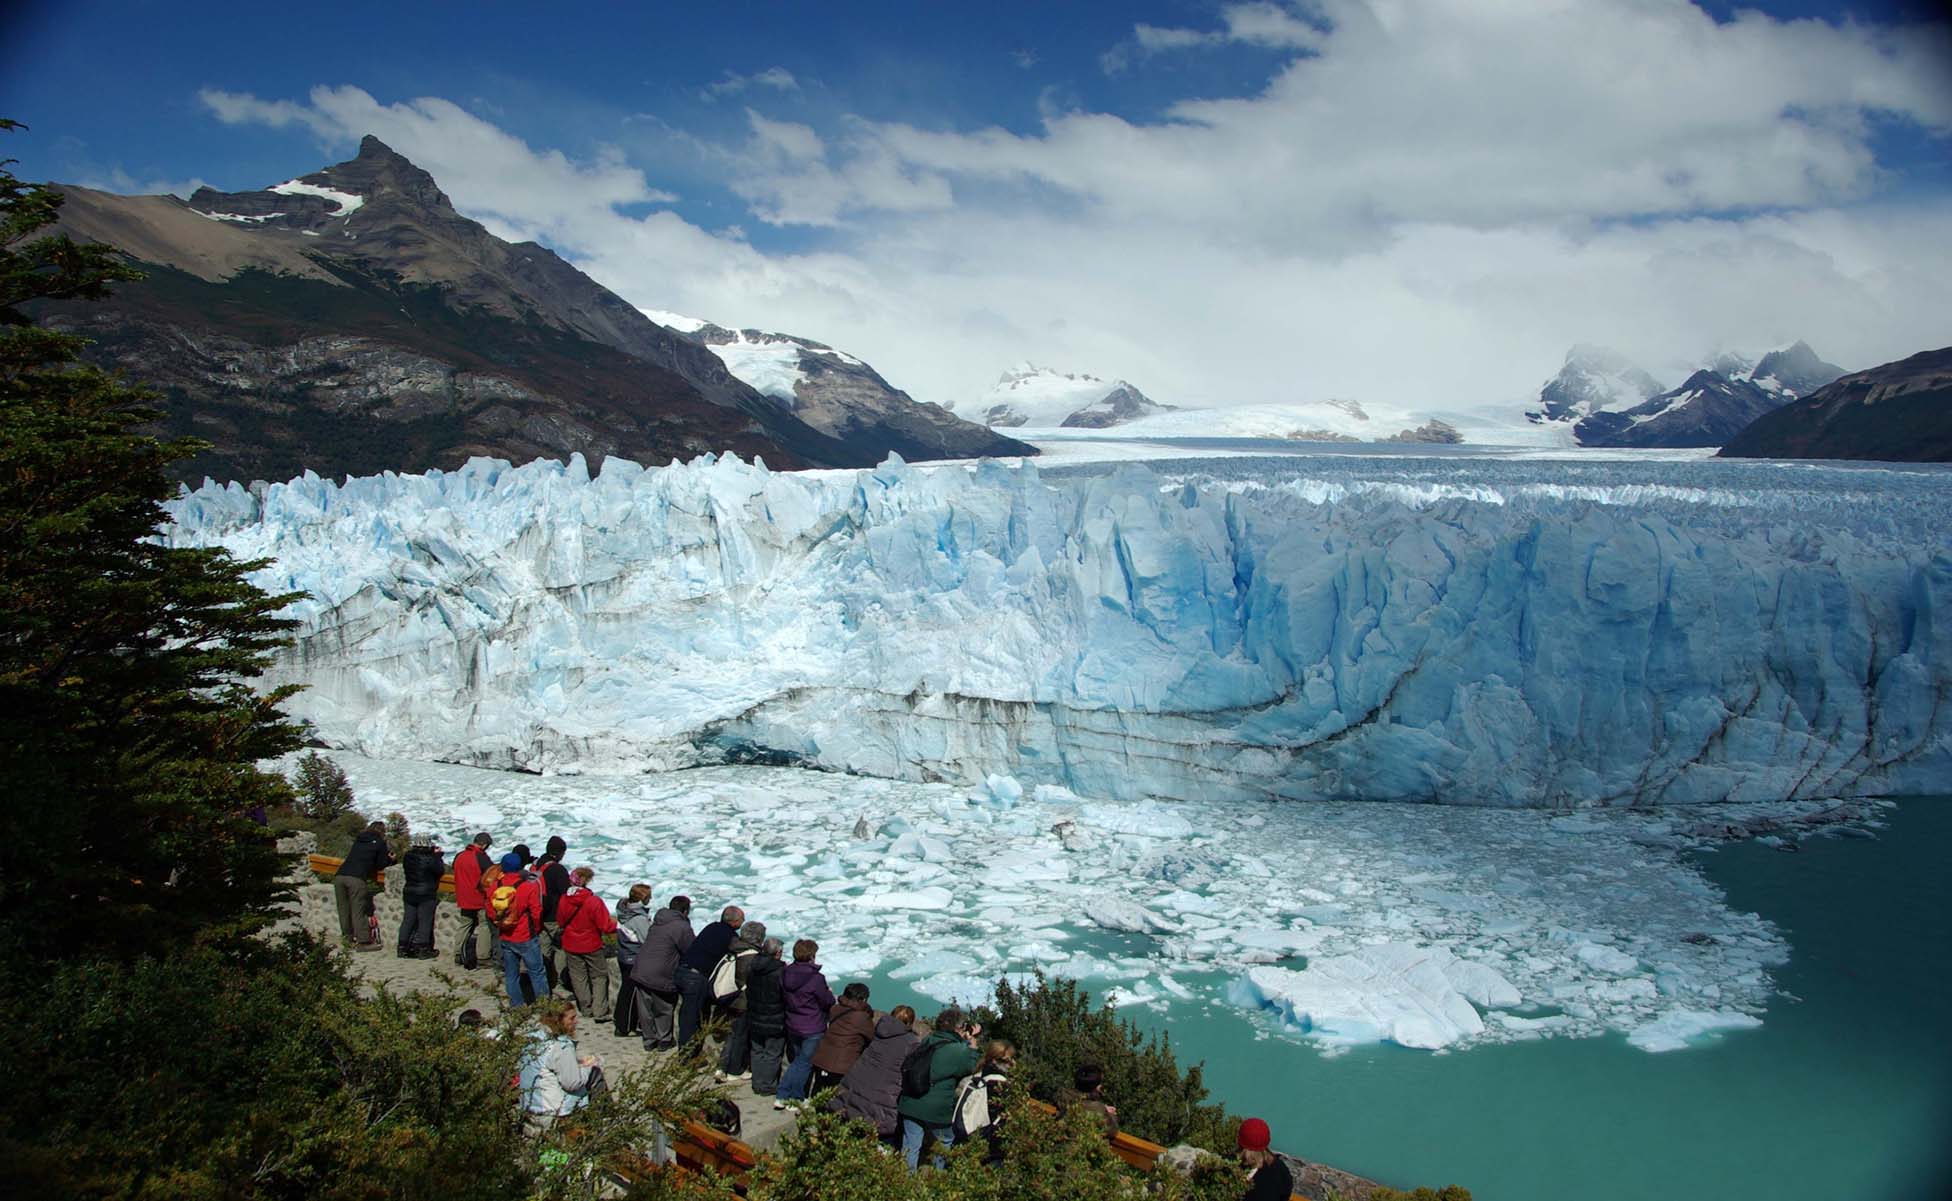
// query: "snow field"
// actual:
[[1338, 923]]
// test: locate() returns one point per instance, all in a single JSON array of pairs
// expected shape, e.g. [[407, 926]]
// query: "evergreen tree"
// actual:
[[130, 738], [324, 793]]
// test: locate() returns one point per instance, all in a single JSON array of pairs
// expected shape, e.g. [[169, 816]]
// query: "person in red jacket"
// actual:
[[468, 897], [584, 920], [520, 928]]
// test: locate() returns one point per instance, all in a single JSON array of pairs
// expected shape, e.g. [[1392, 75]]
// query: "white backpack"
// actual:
[[725, 975], [971, 1114]]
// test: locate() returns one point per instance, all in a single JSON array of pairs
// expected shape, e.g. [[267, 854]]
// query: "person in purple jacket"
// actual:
[[807, 1001]]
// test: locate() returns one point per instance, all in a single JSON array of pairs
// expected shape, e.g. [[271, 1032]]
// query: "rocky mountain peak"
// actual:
[[383, 169]]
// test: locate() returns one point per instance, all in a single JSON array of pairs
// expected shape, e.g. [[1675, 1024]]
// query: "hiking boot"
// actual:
[[366, 946]]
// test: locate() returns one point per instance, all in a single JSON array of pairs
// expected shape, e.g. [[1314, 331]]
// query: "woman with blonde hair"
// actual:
[[552, 1079]]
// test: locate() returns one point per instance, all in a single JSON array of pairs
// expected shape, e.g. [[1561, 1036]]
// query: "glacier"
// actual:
[[1412, 628]]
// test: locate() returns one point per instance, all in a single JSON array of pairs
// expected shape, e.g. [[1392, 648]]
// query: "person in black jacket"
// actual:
[[766, 1017], [555, 882], [352, 888], [423, 869], [1271, 1180], [694, 972]]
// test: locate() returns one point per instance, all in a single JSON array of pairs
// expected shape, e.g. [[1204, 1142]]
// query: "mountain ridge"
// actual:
[[1899, 411], [350, 320]]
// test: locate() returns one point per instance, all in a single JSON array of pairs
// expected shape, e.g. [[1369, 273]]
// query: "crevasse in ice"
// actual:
[[1473, 632]]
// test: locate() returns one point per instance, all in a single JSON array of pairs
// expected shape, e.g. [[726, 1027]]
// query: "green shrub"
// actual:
[[239, 1068], [1056, 1028]]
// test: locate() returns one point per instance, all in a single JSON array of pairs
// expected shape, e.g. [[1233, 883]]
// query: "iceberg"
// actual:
[[1413, 996], [1466, 631]]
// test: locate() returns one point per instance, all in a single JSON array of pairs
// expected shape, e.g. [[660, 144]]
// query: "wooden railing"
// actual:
[[327, 866], [698, 1147]]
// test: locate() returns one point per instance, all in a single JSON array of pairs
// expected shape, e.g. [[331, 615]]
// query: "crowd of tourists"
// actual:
[[778, 1023]]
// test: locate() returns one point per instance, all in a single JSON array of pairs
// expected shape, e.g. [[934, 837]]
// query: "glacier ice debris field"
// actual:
[[1423, 925], [1187, 703]]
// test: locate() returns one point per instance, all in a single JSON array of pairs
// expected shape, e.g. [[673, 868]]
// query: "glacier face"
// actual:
[[1447, 629]]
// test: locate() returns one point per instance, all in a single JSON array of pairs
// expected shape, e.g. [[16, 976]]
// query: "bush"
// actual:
[[236, 1068], [324, 793], [1038, 1156], [399, 834], [1055, 1028]]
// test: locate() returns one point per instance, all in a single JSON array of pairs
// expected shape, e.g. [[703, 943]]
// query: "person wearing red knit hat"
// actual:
[[1270, 1178]]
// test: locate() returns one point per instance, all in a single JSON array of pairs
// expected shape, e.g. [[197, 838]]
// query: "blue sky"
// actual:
[[1120, 188]]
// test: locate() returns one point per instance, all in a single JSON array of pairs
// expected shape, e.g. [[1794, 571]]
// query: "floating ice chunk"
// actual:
[[1144, 817], [1482, 985], [1392, 992], [1124, 914], [1073, 836], [1681, 1028], [1001, 792], [920, 846], [1605, 959], [1018, 867], [957, 989], [1133, 998], [847, 963], [934, 963], [932, 897]]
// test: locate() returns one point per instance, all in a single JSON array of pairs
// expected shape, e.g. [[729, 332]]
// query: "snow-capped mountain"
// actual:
[[1332, 420], [839, 394], [1592, 380], [1713, 405], [1794, 370], [1029, 396]]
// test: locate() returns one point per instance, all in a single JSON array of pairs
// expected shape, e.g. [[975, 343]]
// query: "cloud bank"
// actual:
[[1427, 203]]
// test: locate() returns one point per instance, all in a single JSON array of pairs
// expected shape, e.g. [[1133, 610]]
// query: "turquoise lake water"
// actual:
[[1843, 1094]]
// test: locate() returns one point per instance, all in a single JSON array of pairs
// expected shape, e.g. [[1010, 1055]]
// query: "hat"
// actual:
[[511, 862], [1254, 1135], [522, 850]]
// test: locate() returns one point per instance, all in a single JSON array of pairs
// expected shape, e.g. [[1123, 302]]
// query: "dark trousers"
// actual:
[[417, 924], [768, 1053], [655, 1010], [354, 898], [738, 1047], [692, 987], [626, 1020], [464, 951]]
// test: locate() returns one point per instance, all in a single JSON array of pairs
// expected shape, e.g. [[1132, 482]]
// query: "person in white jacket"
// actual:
[[553, 1079]]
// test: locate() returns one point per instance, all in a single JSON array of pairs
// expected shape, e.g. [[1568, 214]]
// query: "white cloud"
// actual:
[[1427, 204], [777, 78]]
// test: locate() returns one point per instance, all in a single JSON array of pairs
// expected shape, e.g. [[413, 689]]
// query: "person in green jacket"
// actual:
[[952, 1055]]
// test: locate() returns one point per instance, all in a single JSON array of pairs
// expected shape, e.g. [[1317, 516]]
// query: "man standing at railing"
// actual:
[[468, 897], [352, 888]]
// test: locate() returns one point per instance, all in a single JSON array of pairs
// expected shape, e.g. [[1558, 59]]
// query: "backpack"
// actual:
[[501, 904], [491, 876], [915, 1070], [725, 977], [971, 1113]]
